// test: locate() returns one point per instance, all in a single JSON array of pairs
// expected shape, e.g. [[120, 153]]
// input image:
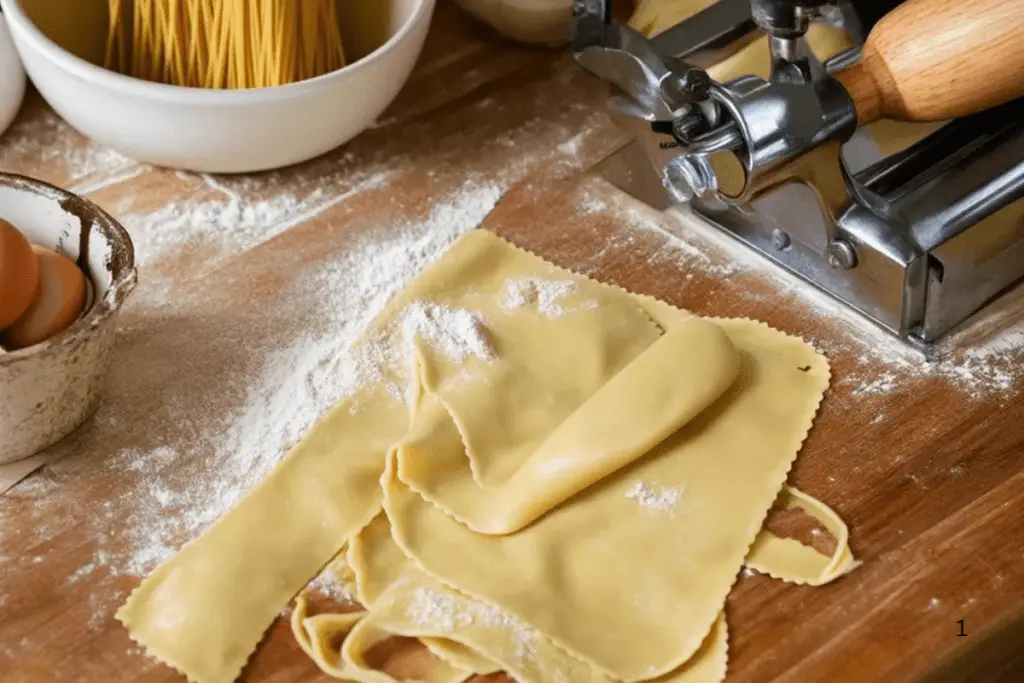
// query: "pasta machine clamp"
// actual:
[[917, 239]]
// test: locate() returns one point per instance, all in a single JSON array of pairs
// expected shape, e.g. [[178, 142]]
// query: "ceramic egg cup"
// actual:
[[48, 390]]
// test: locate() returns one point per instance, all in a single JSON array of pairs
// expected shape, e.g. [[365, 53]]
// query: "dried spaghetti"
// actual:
[[224, 43]]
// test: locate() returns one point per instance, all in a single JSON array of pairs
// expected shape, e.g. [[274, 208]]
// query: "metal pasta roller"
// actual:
[[916, 240]]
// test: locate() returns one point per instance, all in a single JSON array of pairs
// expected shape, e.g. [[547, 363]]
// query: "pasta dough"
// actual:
[[405, 601], [593, 438], [667, 602], [537, 459], [652, 17]]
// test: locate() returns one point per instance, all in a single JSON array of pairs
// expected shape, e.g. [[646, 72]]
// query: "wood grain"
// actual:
[[864, 91], [929, 477], [934, 60]]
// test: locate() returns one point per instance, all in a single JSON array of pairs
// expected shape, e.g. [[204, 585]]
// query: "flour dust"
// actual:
[[43, 139], [457, 334], [548, 297], [655, 500], [447, 614], [327, 584]]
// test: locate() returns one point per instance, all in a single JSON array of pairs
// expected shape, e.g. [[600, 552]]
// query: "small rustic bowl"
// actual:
[[48, 390], [216, 131]]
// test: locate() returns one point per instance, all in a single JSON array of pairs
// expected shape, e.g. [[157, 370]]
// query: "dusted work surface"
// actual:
[[251, 290]]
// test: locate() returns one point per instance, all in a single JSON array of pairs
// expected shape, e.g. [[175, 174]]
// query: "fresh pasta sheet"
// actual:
[[537, 474]]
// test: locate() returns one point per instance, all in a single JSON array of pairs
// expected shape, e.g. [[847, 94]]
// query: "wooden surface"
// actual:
[[926, 466], [915, 64]]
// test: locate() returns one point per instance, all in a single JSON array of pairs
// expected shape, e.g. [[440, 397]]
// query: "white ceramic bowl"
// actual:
[[216, 131], [534, 22], [12, 78], [48, 390]]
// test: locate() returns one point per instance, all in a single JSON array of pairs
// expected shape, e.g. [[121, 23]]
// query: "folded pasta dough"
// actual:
[[526, 655], [552, 356], [377, 563], [626, 415], [469, 635], [691, 509]]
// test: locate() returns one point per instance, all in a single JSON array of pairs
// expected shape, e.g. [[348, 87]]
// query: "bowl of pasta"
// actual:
[[219, 86]]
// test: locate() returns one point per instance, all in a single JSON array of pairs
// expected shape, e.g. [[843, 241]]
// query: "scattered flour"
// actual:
[[327, 584], [547, 295], [458, 334], [591, 204], [43, 138], [573, 145], [132, 460], [82, 572], [636, 216], [233, 223], [362, 282], [885, 383], [288, 390], [99, 612], [662, 501], [448, 614]]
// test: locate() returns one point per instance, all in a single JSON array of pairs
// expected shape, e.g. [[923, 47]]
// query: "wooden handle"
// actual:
[[933, 60]]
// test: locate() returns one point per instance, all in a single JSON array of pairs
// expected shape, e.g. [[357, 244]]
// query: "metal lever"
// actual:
[[718, 25], [657, 89], [660, 89], [803, 105]]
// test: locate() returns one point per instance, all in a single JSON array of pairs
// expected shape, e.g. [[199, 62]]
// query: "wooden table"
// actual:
[[925, 464]]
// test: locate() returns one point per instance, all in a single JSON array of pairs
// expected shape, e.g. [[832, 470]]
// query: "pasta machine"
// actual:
[[917, 238]]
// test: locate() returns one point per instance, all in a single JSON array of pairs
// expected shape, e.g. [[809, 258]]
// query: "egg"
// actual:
[[19, 274], [57, 303]]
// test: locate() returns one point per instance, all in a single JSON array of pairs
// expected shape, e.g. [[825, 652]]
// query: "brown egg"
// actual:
[[57, 303], [19, 274]]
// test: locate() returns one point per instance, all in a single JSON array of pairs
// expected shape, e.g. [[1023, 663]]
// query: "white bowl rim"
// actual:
[[138, 87]]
